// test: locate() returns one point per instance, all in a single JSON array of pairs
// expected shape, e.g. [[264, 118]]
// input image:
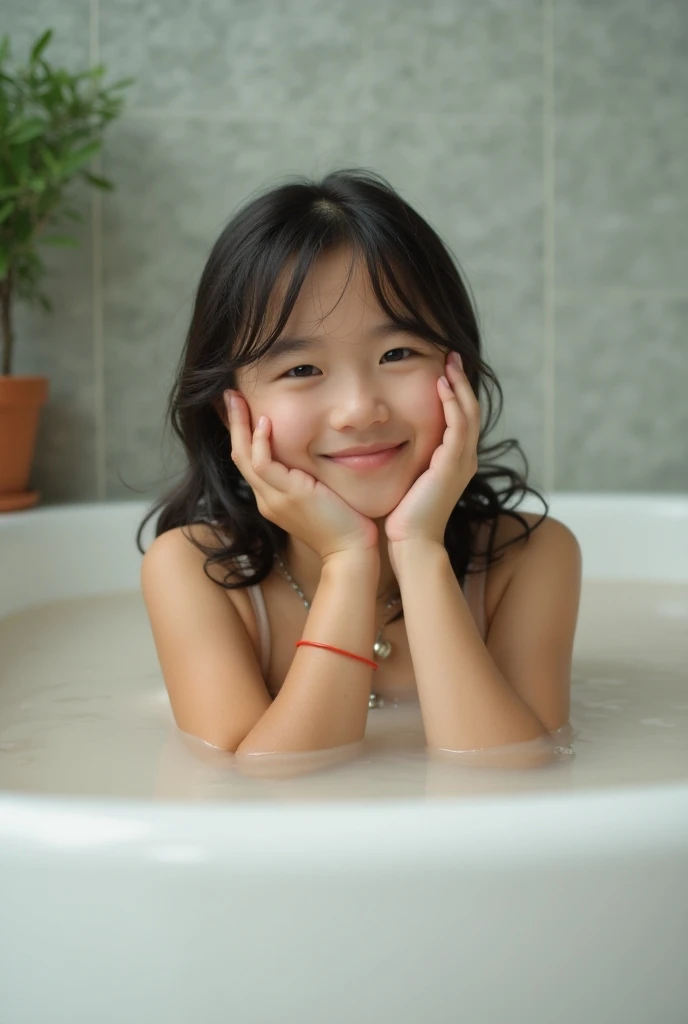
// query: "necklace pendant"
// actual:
[[382, 649]]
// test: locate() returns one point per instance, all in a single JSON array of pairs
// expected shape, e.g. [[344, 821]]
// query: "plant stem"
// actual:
[[6, 323]]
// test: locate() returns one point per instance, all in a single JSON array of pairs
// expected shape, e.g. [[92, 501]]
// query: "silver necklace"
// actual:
[[381, 648]]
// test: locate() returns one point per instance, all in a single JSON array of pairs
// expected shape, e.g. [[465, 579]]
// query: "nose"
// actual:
[[358, 405]]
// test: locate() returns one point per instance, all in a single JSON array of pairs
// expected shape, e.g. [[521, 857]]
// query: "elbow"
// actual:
[[224, 740]]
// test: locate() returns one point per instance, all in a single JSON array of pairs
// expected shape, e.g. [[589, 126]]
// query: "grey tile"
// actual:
[[178, 183], [70, 22], [247, 59], [621, 384], [59, 346], [511, 328], [621, 202], [475, 59], [479, 185], [622, 58]]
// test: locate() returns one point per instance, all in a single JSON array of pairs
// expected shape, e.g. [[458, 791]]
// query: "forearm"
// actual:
[[323, 702], [466, 703]]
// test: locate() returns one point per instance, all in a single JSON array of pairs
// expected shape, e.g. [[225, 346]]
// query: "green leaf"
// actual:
[[72, 214], [51, 124], [40, 46], [99, 182], [50, 162], [61, 240], [25, 131], [122, 83], [80, 157], [18, 158]]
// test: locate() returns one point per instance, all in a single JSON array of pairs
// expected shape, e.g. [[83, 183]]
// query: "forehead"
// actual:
[[336, 302], [334, 290]]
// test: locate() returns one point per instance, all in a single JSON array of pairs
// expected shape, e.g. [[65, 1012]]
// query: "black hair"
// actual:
[[417, 284]]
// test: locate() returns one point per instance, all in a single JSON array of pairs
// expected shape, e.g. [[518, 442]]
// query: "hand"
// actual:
[[294, 500], [424, 510]]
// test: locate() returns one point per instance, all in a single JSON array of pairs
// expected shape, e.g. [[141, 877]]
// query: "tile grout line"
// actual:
[[549, 326], [221, 114], [97, 285], [621, 292]]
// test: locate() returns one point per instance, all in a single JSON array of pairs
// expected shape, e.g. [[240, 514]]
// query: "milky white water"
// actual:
[[84, 711]]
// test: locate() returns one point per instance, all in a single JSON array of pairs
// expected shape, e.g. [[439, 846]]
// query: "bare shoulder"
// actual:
[[533, 626], [206, 654], [183, 541], [549, 540], [509, 528]]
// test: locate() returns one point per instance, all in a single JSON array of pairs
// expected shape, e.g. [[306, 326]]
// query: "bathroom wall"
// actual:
[[546, 140]]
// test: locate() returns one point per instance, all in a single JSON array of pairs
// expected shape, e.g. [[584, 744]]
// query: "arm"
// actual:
[[323, 701], [515, 688]]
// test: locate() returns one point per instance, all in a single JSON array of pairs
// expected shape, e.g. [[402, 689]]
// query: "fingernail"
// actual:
[[455, 360]]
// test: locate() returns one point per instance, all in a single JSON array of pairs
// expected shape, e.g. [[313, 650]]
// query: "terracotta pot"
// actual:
[[21, 399]]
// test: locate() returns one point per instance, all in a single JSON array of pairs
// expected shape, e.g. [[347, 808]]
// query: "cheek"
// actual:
[[424, 412], [291, 431]]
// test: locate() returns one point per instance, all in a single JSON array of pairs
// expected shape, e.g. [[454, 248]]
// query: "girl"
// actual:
[[336, 539]]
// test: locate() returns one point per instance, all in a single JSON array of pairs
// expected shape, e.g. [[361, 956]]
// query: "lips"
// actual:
[[369, 462], [373, 450]]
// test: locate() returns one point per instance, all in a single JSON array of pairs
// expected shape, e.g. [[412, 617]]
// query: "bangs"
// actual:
[[274, 289]]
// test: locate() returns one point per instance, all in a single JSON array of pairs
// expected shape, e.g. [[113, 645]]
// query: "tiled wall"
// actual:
[[546, 140]]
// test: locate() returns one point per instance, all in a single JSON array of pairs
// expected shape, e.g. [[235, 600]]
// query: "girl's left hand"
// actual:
[[424, 510]]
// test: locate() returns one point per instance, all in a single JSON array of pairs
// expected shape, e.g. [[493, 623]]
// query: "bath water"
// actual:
[[84, 712]]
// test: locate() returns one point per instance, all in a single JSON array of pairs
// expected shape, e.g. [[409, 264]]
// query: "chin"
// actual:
[[378, 507]]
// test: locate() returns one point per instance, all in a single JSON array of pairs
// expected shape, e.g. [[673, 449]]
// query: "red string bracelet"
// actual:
[[337, 650]]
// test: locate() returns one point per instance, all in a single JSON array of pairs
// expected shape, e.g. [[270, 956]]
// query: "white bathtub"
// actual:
[[567, 902]]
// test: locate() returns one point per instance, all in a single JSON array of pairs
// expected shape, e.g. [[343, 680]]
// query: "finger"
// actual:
[[261, 465], [466, 399], [239, 430], [457, 427], [464, 392], [261, 455]]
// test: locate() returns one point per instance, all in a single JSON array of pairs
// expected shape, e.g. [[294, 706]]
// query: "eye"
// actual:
[[305, 366]]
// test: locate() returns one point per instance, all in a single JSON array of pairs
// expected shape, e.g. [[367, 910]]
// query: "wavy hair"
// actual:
[[417, 283]]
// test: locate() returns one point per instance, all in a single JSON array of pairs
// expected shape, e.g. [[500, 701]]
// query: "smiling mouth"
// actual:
[[373, 461]]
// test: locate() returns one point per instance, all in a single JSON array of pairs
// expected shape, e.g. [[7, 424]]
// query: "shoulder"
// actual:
[[555, 532], [510, 531], [184, 545], [175, 559], [532, 630], [550, 542], [552, 549]]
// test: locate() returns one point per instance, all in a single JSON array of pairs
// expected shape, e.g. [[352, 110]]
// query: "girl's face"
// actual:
[[351, 383]]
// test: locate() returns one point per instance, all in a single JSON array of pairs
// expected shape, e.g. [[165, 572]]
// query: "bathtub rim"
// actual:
[[641, 499], [507, 830]]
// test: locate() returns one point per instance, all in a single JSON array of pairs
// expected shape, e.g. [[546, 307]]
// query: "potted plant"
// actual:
[[51, 127]]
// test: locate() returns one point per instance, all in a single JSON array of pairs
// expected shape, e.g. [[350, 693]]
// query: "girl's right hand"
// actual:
[[291, 498]]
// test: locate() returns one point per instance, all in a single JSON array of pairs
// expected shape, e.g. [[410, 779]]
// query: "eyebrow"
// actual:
[[290, 344]]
